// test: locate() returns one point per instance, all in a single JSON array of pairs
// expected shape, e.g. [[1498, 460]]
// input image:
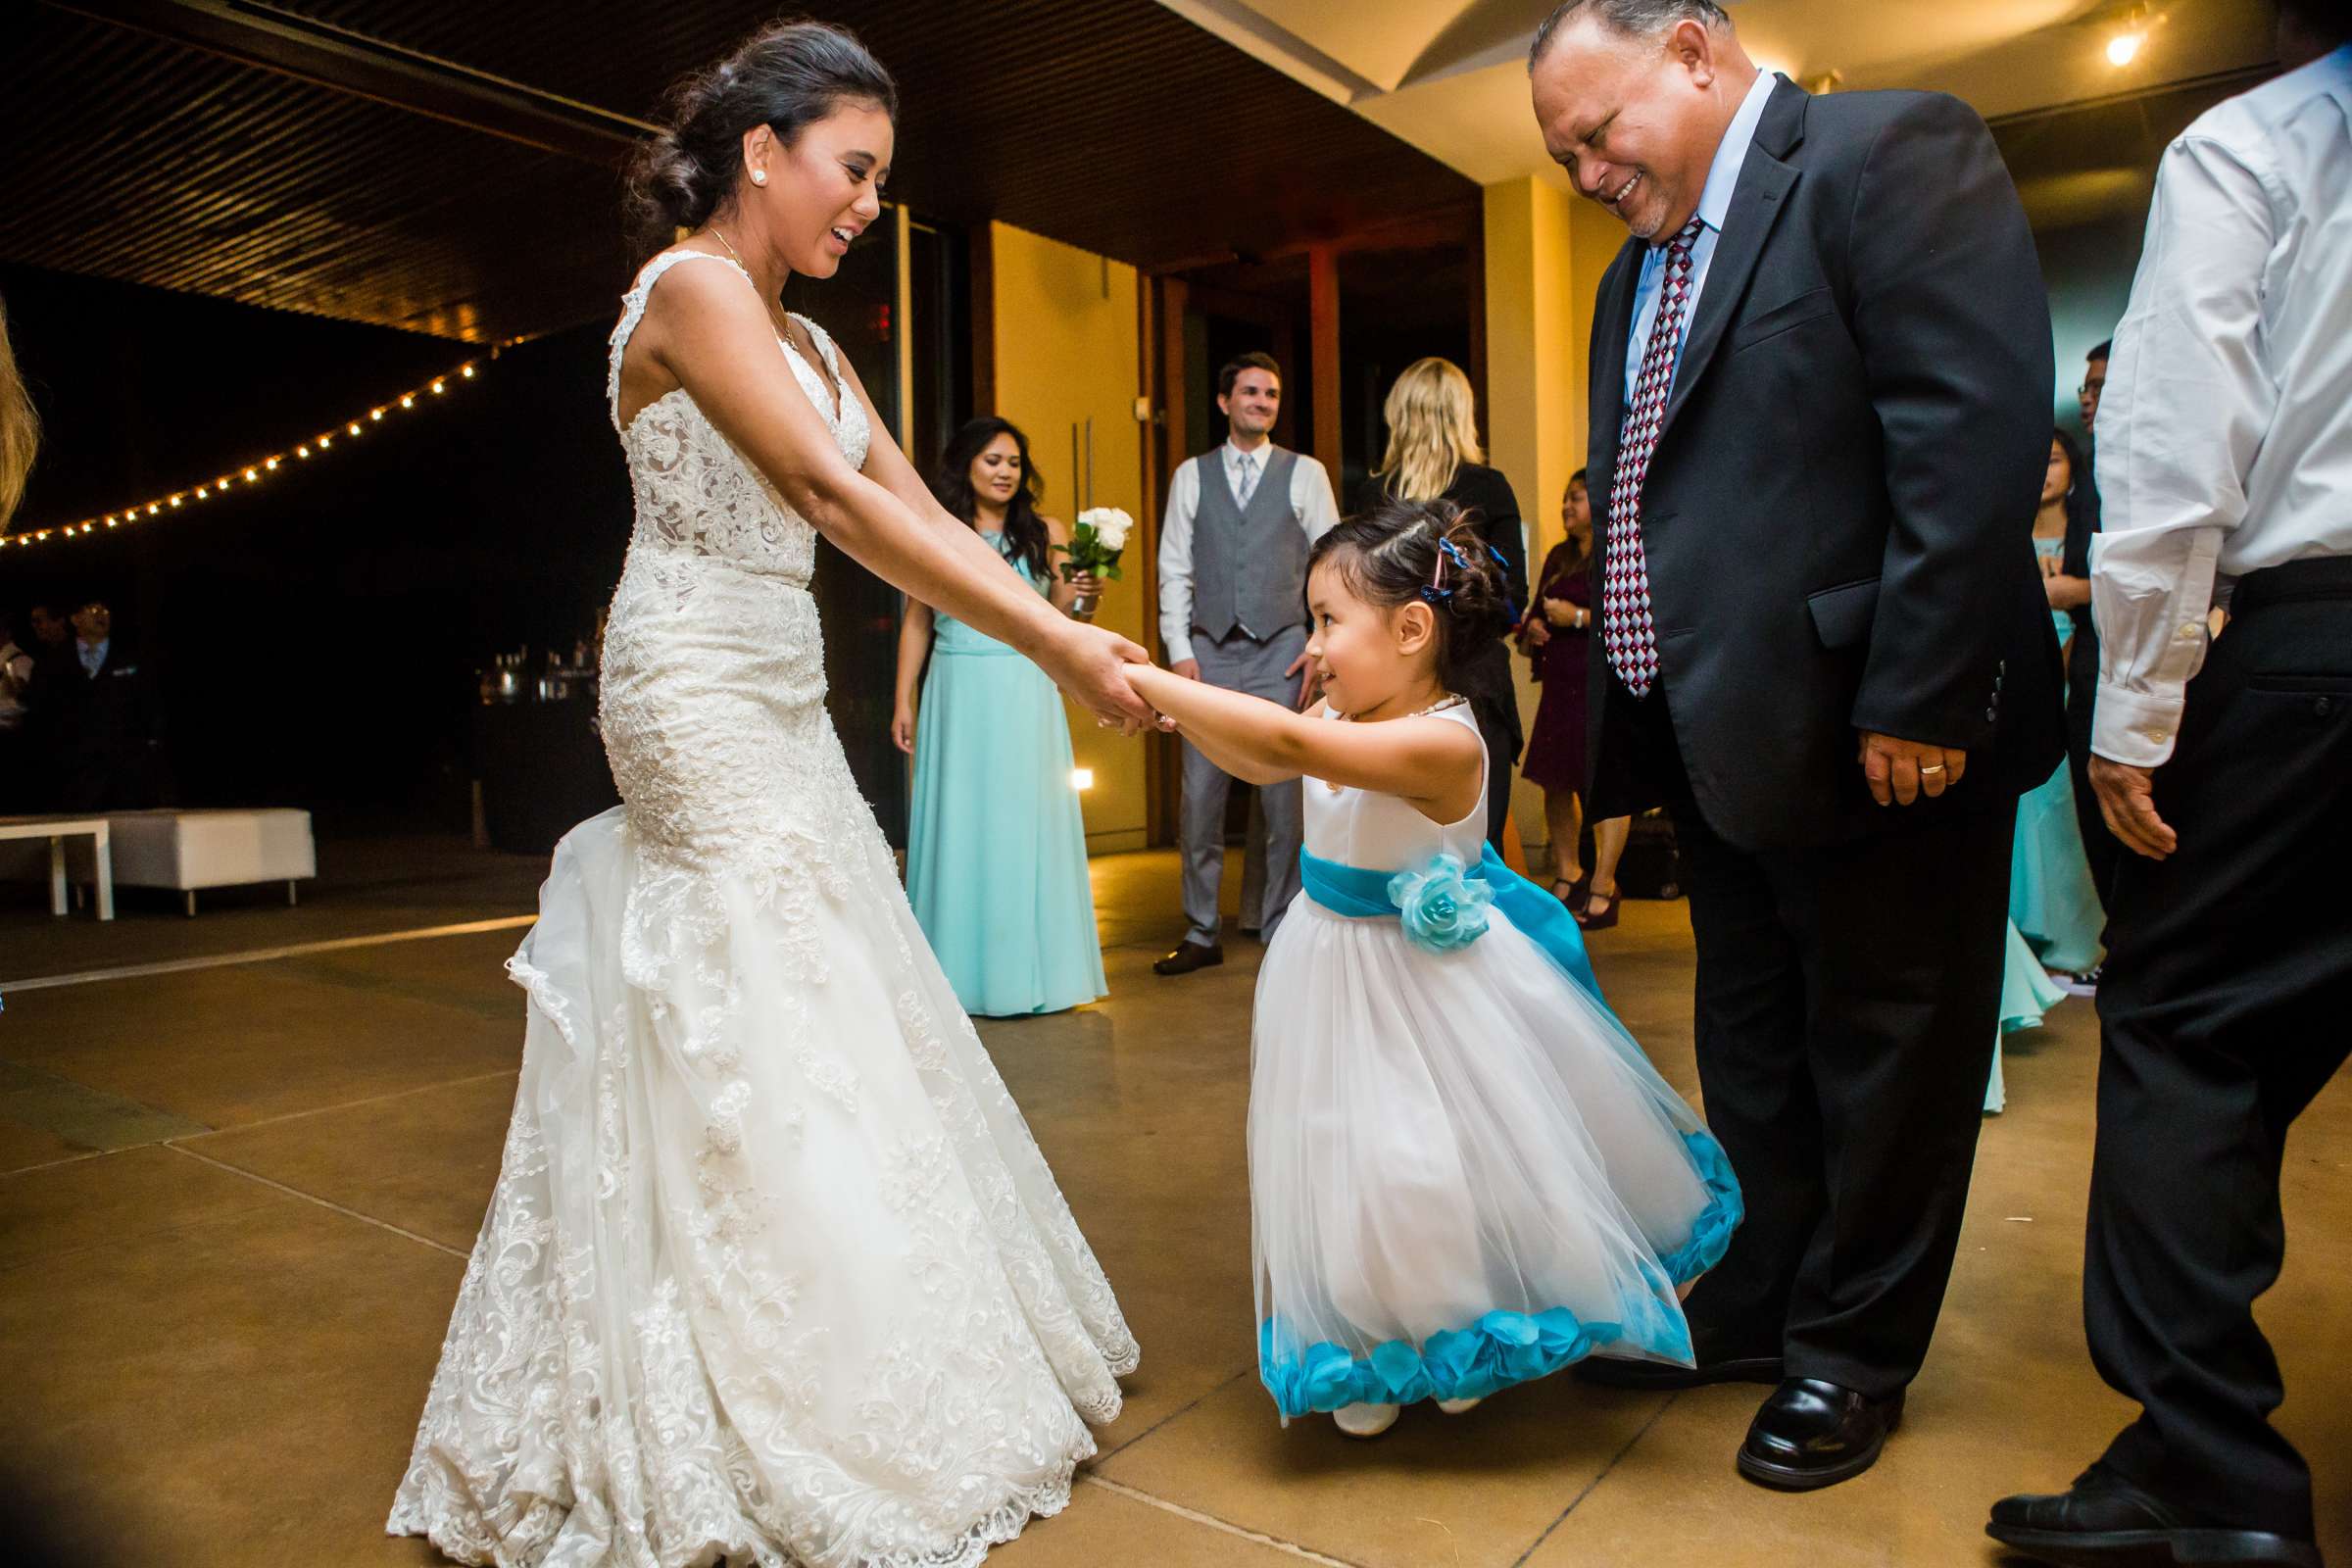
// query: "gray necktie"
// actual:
[[1246, 484]]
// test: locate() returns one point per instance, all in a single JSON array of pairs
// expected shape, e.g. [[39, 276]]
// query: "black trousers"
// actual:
[[2101, 848], [2223, 1011], [1848, 1001]]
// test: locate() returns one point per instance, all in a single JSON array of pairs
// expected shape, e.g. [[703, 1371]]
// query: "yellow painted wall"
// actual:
[[1065, 352], [1545, 252]]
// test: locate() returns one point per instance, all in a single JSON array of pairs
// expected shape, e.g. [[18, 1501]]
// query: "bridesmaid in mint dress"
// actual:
[[996, 853], [2052, 898]]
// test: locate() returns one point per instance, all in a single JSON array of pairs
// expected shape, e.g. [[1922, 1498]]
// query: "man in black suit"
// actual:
[[1821, 387], [109, 722]]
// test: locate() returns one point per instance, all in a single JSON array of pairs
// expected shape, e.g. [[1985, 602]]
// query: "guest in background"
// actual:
[[2226, 461], [2051, 898], [2070, 591], [1233, 546], [1557, 634], [54, 668], [109, 723], [18, 785], [1434, 455], [995, 852], [2094, 385]]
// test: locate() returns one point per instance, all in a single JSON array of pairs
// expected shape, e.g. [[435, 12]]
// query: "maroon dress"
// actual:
[[1555, 749]]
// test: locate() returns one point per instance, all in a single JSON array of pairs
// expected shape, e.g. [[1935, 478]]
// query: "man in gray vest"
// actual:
[[1233, 549]]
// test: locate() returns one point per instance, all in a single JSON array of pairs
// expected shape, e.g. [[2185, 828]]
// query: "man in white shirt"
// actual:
[[1233, 548], [2225, 463]]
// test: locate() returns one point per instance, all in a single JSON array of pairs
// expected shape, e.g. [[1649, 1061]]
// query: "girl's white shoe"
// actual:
[[1365, 1420], [1457, 1406]]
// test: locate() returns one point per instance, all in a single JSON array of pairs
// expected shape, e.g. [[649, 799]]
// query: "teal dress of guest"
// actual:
[[2052, 901], [996, 849]]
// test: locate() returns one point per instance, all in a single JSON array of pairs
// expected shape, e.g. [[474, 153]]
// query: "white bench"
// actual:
[[58, 829], [189, 851]]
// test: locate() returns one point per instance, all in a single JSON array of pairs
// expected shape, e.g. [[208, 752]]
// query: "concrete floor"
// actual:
[[235, 1200]]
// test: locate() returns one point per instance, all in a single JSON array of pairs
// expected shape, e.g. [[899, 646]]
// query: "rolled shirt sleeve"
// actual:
[[1176, 564], [1313, 499], [2186, 406]]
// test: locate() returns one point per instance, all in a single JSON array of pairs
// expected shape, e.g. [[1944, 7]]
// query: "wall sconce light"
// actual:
[[1082, 778]]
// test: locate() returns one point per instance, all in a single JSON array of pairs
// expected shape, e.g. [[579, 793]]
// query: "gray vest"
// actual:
[[1249, 565]]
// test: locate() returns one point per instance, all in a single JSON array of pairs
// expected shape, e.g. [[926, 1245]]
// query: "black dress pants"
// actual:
[[1848, 1001], [2222, 1011], [2101, 848]]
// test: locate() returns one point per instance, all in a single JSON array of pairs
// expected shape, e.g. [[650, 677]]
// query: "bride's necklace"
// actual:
[[774, 313]]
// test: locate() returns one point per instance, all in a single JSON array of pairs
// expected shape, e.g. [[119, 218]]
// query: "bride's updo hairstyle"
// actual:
[[1401, 551], [788, 75]]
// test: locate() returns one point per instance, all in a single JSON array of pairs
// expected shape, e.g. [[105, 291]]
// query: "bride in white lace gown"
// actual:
[[773, 1272]]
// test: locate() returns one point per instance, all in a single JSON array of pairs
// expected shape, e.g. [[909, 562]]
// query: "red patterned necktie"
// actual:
[[1626, 632]]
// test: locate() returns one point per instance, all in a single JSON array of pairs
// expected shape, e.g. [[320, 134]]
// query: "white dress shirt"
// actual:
[[2226, 431], [1714, 206], [1313, 508]]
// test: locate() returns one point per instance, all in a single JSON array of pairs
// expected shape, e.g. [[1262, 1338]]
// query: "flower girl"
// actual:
[[1463, 1172]]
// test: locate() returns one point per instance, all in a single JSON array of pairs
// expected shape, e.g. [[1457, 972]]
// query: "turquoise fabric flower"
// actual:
[[1501, 1349], [1440, 906]]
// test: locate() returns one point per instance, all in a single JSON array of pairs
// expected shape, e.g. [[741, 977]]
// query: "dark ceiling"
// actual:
[[1111, 124]]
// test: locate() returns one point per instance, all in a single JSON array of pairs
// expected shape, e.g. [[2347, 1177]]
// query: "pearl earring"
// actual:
[[759, 177]]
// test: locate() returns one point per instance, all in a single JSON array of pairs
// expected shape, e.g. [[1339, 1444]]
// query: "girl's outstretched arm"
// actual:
[[1432, 762]]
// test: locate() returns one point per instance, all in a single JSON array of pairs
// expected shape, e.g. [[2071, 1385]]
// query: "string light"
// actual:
[[252, 475]]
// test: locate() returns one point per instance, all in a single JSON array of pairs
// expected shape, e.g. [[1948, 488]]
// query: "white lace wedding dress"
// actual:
[[774, 1272]]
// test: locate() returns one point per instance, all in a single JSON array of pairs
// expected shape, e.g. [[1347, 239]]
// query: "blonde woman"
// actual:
[[20, 427], [1434, 455]]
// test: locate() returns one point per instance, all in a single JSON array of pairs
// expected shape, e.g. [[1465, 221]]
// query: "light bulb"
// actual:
[[302, 452], [1082, 778], [376, 413], [174, 501], [440, 387], [251, 477], [110, 523], [407, 400], [2123, 47], [202, 493], [466, 372], [325, 441], [272, 464], [152, 509], [355, 427]]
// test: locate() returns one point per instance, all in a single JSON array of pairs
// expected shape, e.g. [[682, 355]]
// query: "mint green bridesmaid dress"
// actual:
[[995, 852], [2052, 899]]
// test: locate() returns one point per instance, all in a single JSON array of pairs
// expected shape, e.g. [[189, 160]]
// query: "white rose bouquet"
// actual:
[[1096, 544]]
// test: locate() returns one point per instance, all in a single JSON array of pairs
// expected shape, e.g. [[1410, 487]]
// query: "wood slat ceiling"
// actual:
[[1111, 124]]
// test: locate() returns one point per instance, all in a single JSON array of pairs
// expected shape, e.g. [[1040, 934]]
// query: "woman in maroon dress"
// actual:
[[1554, 636]]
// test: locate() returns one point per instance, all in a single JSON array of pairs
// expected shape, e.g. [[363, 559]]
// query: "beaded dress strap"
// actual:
[[632, 311]]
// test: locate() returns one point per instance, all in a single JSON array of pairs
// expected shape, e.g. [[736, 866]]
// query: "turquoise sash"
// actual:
[[1351, 890]]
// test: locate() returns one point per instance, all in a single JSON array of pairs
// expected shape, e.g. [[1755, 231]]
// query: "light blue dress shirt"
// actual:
[[93, 656], [1714, 204]]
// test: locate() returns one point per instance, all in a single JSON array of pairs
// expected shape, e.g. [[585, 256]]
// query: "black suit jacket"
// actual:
[[1838, 514]]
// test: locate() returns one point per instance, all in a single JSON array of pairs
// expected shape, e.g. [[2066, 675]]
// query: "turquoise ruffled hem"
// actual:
[[1503, 1347], [1711, 1236]]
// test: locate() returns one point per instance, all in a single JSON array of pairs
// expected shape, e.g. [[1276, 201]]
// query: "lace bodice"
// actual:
[[695, 494]]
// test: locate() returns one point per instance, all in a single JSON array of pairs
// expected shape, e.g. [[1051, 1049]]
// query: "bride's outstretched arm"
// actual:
[[713, 334]]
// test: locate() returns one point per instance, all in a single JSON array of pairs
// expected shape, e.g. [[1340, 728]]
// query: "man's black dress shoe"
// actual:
[[1814, 1434], [1719, 1362], [2106, 1522], [1190, 956]]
